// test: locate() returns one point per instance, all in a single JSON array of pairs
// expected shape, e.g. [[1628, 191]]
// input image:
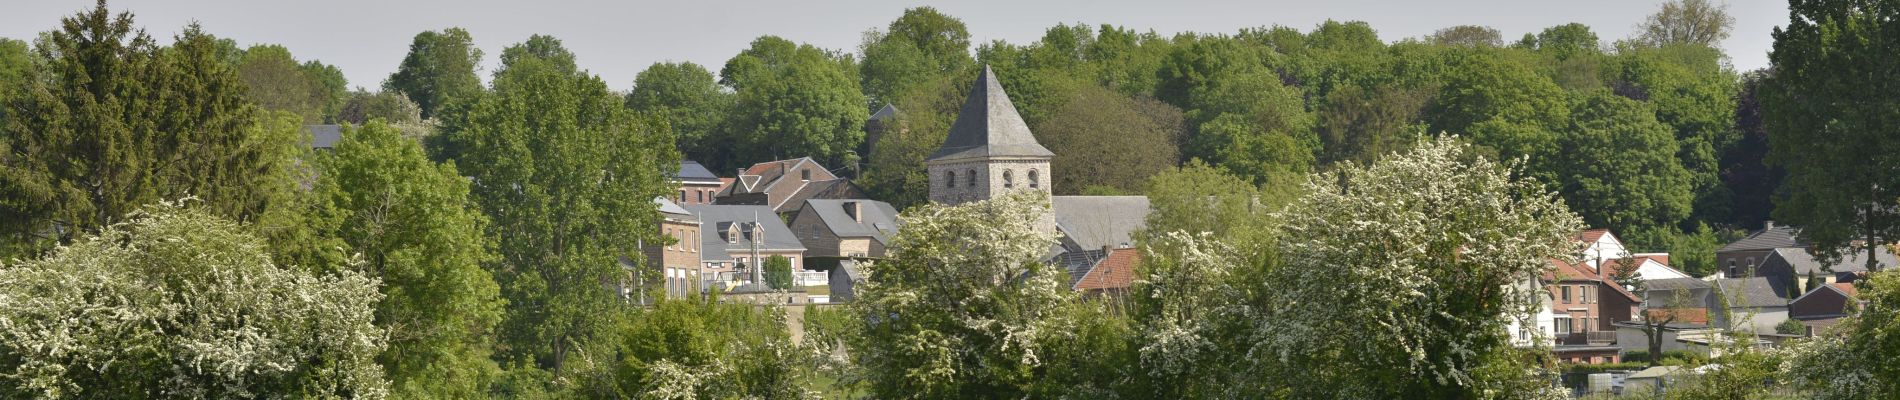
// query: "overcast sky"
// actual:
[[616, 39]]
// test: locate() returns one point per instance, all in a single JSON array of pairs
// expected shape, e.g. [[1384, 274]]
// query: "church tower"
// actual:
[[989, 150]]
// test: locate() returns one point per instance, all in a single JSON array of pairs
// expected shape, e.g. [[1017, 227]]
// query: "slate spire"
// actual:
[[989, 127]]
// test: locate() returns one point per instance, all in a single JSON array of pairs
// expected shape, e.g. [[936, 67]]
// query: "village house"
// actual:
[[845, 228], [696, 184], [677, 261], [1821, 308], [1748, 304], [734, 237], [784, 185], [1102, 272], [1742, 255]]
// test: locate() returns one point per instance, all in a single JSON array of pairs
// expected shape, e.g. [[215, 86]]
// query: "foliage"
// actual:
[[557, 161], [1737, 375], [692, 349], [178, 303], [439, 69], [411, 222], [690, 100], [1361, 124], [1195, 319], [112, 121], [1468, 35], [1745, 174], [1197, 198], [778, 272], [1144, 130], [965, 308], [1854, 359], [915, 49], [275, 81], [391, 107], [793, 101], [1687, 22], [1829, 108], [1621, 171], [1424, 252]]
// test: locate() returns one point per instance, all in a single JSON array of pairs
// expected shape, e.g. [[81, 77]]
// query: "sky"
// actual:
[[617, 39]]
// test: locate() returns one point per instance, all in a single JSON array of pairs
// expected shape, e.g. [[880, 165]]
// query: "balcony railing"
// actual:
[[1591, 337]]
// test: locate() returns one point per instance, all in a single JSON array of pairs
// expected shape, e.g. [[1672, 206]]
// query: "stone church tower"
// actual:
[[989, 150]]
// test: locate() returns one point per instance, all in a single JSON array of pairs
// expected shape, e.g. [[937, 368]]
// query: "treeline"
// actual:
[[168, 232]]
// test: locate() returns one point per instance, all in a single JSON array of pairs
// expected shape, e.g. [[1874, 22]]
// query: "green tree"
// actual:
[[439, 69], [1746, 175], [1568, 40], [915, 49], [1851, 360], [566, 174], [1687, 22], [778, 272], [413, 225], [1145, 133], [115, 122], [1468, 36], [683, 349], [793, 101], [391, 107], [1253, 125], [692, 103], [1619, 168], [1361, 124], [1694, 93], [1425, 253], [1830, 110], [178, 303], [968, 309], [275, 81]]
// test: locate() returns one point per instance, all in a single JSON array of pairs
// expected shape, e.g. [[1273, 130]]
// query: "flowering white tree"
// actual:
[[965, 308], [1194, 318], [1397, 277], [1855, 359], [176, 303]]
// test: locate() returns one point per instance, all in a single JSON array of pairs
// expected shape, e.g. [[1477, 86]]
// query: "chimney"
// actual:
[[1768, 225], [851, 208]]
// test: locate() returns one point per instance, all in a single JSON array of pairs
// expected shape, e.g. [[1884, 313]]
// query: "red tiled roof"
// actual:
[[1591, 236], [1565, 271], [1117, 271], [1847, 288]]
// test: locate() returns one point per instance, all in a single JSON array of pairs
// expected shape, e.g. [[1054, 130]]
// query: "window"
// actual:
[[804, 175], [1731, 268], [972, 174], [682, 195], [950, 179], [1566, 293], [1033, 182], [699, 197], [669, 233], [1008, 181]]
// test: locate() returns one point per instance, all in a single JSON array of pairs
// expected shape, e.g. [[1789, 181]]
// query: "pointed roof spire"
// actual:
[[988, 126]]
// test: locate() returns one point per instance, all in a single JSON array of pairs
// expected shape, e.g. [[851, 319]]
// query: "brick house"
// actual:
[[845, 228], [697, 185], [1587, 304], [1735, 259], [677, 261], [784, 185]]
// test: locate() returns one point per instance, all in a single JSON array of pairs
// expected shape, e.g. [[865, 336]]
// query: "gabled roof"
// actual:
[[1749, 292], [988, 126], [1845, 290], [1852, 261], [1094, 222], [879, 219], [1593, 235], [1568, 272], [324, 136], [1770, 237], [1116, 271], [672, 210], [691, 171], [835, 189], [717, 218], [1677, 284], [888, 112]]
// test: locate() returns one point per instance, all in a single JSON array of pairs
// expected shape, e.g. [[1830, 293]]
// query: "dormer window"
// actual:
[[804, 175], [1008, 181], [1033, 182]]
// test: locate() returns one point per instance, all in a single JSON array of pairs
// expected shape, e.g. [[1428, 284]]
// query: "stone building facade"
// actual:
[[989, 152]]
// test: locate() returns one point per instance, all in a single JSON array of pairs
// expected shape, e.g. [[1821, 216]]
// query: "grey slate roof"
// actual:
[[888, 112], [691, 171], [1855, 261], [988, 126], [880, 219], [324, 136], [1677, 284], [1078, 263], [1096, 221], [715, 218], [673, 210], [1749, 292], [1770, 237]]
